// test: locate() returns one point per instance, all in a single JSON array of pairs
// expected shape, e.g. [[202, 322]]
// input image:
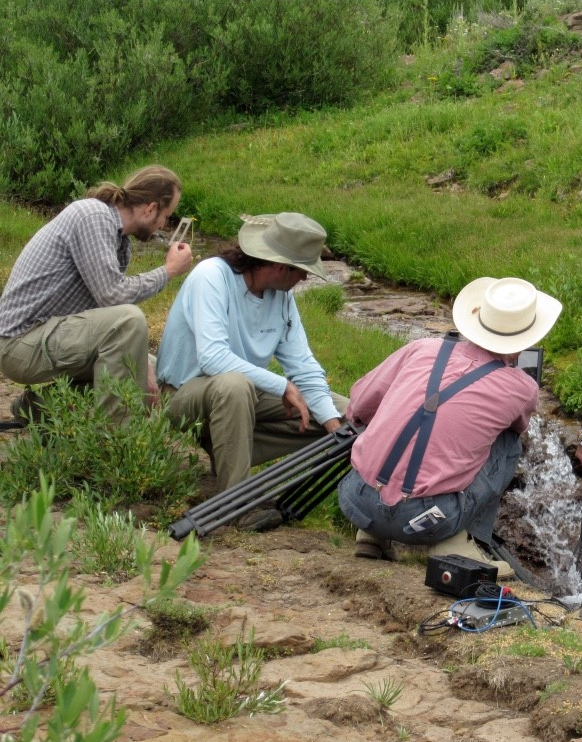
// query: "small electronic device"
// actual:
[[471, 615], [457, 575], [530, 360]]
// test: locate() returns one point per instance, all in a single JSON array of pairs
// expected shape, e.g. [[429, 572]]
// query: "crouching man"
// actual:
[[444, 420]]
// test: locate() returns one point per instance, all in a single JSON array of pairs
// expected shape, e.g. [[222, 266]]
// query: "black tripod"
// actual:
[[299, 482]]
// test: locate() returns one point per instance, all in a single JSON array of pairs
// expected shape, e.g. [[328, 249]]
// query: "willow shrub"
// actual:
[[76, 444], [82, 86]]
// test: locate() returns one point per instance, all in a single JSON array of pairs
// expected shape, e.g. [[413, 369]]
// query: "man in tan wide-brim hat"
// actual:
[[443, 423], [233, 315]]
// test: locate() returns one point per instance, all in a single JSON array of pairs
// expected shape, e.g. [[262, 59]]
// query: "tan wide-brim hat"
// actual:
[[505, 315], [289, 238]]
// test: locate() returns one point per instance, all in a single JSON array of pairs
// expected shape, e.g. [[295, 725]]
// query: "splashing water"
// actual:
[[550, 505]]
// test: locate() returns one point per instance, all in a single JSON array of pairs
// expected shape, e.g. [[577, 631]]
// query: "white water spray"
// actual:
[[552, 508]]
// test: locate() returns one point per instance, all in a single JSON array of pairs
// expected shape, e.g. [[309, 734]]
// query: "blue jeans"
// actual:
[[474, 509]]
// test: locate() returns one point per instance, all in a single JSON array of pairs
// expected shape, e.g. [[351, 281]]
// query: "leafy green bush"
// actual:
[[76, 445], [81, 86], [298, 54]]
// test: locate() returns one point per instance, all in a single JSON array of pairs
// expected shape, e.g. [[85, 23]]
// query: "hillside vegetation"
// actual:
[[435, 142]]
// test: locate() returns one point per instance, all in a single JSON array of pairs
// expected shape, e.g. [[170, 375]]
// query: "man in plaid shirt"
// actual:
[[68, 307]]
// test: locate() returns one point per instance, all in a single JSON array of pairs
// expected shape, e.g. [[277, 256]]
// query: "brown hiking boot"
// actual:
[[370, 547], [266, 519]]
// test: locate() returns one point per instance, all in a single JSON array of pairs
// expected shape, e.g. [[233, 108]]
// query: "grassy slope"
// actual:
[[514, 208]]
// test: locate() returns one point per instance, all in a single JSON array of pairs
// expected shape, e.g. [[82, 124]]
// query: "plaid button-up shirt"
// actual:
[[77, 261]]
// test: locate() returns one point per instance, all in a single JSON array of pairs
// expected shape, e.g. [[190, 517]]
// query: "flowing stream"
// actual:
[[543, 515]]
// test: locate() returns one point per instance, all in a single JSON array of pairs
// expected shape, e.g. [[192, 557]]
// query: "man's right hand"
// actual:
[[293, 400], [178, 259]]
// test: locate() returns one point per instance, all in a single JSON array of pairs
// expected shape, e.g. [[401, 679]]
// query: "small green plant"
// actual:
[[108, 543], [526, 649], [175, 624], [573, 664], [54, 633], [552, 689], [342, 641], [386, 693], [567, 639], [357, 277], [228, 683], [327, 299], [402, 732]]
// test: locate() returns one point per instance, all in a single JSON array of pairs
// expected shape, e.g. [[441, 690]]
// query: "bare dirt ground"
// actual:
[[292, 586]]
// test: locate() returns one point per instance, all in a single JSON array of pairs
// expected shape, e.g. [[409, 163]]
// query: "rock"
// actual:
[[573, 21]]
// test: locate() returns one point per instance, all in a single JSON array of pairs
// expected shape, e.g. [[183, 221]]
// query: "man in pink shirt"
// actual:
[[469, 441]]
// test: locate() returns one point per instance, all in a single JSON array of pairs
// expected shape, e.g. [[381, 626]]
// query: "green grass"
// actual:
[[343, 641]]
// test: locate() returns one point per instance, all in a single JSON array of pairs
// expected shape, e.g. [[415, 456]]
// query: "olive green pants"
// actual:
[[245, 426], [82, 346]]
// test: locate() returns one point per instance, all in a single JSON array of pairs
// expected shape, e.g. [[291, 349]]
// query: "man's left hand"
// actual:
[[293, 400]]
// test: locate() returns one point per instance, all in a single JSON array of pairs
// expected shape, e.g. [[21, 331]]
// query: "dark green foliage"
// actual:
[[82, 84], [488, 137], [529, 46], [77, 445]]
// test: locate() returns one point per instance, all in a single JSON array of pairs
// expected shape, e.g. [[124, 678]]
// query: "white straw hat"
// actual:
[[289, 238], [505, 315]]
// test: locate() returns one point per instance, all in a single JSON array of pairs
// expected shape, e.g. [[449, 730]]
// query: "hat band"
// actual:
[[506, 334]]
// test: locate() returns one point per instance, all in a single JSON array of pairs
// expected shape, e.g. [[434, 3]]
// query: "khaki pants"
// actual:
[[81, 346], [246, 426]]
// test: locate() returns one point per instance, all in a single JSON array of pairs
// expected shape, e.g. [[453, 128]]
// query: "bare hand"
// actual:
[[578, 454], [293, 400], [178, 259]]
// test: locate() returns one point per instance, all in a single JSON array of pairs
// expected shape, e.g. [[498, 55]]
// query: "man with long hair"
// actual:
[[68, 307], [235, 313]]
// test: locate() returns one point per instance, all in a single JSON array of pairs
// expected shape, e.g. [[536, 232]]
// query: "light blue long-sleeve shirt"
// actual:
[[216, 325]]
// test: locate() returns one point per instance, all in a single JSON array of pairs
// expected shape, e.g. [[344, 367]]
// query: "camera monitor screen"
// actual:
[[530, 361]]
